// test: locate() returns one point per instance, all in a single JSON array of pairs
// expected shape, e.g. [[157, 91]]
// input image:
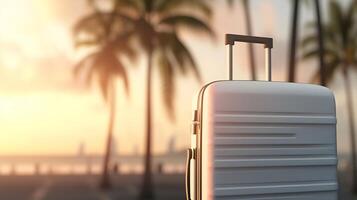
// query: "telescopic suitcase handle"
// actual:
[[268, 45]]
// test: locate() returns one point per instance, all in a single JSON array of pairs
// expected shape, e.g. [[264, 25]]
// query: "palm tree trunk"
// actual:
[[321, 43], [250, 32], [147, 191], [293, 39], [105, 182], [350, 111]]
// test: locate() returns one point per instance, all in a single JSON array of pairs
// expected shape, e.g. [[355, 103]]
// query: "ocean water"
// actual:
[[65, 169]]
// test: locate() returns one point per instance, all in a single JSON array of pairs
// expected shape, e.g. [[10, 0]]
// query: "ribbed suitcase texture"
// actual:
[[266, 141]]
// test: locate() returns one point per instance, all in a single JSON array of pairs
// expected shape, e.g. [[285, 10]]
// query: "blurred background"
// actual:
[[96, 95]]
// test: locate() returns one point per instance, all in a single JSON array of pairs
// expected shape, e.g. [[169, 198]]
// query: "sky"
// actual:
[[45, 110]]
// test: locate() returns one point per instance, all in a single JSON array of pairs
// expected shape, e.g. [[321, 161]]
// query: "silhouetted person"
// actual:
[[116, 168], [37, 169], [160, 168]]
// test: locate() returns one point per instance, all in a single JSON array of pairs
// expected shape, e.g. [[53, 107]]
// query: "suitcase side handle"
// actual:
[[268, 45], [188, 173]]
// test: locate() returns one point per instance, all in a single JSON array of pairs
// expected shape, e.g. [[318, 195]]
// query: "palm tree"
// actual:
[[340, 53], [293, 41], [98, 30], [249, 28], [321, 43], [294, 38], [156, 29]]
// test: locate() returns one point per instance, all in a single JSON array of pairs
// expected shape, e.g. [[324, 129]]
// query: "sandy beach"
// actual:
[[84, 187]]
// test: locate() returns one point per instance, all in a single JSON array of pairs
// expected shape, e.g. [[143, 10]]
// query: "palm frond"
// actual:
[[148, 5], [165, 7], [335, 17], [351, 18], [190, 22], [136, 5], [104, 82], [168, 83], [340, 39], [309, 40], [123, 44], [105, 66], [311, 25], [182, 57], [89, 22], [330, 70], [90, 75], [120, 71], [83, 63], [145, 33], [98, 23], [310, 54], [109, 65], [308, 3], [230, 2], [87, 42], [183, 53]]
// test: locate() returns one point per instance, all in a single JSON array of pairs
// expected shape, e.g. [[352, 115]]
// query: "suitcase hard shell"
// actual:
[[263, 140]]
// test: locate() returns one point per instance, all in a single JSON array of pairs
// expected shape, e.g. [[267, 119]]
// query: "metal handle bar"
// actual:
[[188, 173], [268, 45]]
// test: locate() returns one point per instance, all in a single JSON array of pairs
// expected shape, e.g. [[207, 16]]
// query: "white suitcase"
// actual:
[[262, 140]]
